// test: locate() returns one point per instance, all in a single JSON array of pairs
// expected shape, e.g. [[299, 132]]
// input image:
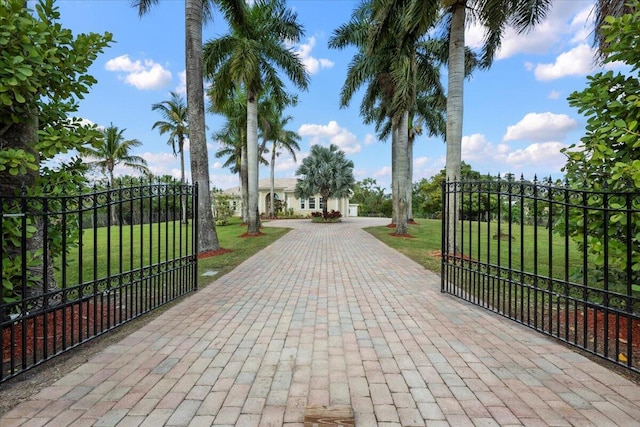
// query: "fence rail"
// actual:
[[565, 262], [76, 266]]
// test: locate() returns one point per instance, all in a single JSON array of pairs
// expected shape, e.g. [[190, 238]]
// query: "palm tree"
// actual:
[[494, 16], [248, 57], [396, 75], [114, 150], [282, 139], [175, 123], [195, 13], [111, 151], [326, 171]]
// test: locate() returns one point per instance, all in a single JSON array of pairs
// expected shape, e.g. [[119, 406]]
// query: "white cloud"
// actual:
[[163, 163], [312, 64], [181, 89], [554, 94], [419, 162], [144, 76], [369, 139], [564, 21], [545, 154], [477, 147], [286, 163], [578, 61], [332, 133], [540, 127]]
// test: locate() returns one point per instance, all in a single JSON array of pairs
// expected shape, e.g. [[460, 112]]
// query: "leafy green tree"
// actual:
[[249, 57], [43, 73], [326, 171], [608, 157], [369, 196], [427, 193], [603, 9]]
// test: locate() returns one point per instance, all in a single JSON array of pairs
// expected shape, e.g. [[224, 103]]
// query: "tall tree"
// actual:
[[602, 9], [388, 62], [114, 150], [195, 13], [283, 140], [326, 171], [176, 124], [248, 57], [494, 16], [43, 70]]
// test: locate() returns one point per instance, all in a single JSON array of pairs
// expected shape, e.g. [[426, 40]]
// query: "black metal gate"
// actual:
[[76, 266], [565, 262]]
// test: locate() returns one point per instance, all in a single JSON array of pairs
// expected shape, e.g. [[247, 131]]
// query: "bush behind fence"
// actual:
[[563, 261], [76, 266]]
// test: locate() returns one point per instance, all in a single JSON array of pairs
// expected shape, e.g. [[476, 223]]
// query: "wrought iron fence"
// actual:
[[76, 266], [565, 262]]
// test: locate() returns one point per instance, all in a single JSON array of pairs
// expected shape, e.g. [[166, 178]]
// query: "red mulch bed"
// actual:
[[72, 324], [405, 236], [219, 252], [596, 336]]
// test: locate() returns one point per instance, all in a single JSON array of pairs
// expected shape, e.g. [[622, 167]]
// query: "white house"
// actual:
[[283, 191]]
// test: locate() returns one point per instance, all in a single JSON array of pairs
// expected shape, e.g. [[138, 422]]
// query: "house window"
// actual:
[[312, 202], [302, 204], [321, 203]]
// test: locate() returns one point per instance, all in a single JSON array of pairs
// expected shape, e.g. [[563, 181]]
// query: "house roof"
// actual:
[[280, 184]]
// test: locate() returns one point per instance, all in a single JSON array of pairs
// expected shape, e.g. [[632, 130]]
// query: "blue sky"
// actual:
[[516, 116]]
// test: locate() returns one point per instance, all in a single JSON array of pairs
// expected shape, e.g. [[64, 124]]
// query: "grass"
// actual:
[[241, 248], [131, 249], [426, 239], [424, 246]]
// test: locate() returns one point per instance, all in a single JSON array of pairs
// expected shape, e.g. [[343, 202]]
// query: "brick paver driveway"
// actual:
[[328, 315]]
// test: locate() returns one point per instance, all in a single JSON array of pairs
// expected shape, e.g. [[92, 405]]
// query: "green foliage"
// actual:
[[222, 209], [326, 171], [43, 73], [427, 193], [608, 157], [370, 197]]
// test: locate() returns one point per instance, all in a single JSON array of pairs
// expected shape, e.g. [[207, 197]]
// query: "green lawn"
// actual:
[[548, 255], [420, 248], [128, 248]]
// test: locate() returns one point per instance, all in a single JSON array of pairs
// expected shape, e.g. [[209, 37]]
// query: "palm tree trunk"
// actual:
[[272, 181], [394, 174], [454, 116], [207, 236], [244, 184], [112, 208], [183, 198], [402, 164], [409, 182], [253, 227]]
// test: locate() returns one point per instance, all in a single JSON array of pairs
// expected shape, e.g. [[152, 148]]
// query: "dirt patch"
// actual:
[[402, 236], [210, 254]]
